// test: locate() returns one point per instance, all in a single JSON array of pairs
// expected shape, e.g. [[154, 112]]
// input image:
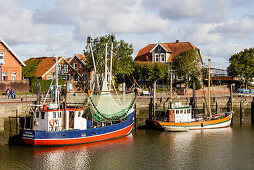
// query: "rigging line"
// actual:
[[117, 93], [48, 91]]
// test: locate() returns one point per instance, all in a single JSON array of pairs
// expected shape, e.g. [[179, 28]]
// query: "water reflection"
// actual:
[[78, 156], [228, 148]]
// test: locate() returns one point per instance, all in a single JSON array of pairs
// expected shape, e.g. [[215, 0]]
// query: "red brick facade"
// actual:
[[12, 66]]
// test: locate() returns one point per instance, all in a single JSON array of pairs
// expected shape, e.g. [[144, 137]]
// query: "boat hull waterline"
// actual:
[[197, 125], [72, 137]]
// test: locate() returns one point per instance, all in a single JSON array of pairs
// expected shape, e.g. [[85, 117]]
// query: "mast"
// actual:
[[56, 77], [171, 90], [89, 41], [106, 52], [111, 60], [209, 87]]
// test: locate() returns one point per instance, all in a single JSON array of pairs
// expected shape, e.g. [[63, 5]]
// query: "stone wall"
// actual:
[[18, 86]]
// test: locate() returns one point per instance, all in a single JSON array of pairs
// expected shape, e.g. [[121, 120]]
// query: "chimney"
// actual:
[[177, 41]]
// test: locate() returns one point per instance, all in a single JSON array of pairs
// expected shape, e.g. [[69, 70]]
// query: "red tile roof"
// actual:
[[145, 54], [44, 65], [82, 57]]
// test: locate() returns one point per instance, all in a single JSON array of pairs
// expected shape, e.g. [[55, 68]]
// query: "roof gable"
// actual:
[[80, 57], [4, 43], [145, 54]]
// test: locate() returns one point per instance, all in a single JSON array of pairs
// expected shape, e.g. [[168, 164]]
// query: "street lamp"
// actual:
[[1, 72]]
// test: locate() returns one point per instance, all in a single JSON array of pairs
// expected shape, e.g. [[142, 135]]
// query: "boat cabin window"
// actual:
[[79, 113], [177, 111], [42, 115], [54, 114], [37, 115], [189, 110], [71, 114], [59, 114]]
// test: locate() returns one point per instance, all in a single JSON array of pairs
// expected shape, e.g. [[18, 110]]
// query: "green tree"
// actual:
[[242, 65], [186, 66], [123, 64], [150, 71]]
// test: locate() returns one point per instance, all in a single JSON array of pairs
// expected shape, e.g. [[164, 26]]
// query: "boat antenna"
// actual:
[[89, 42], [111, 60], [209, 87], [56, 77]]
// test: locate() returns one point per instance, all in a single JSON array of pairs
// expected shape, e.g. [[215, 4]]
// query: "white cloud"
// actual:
[[221, 52], [197, 33], [17, 26], [200, 10], [235, 28], [114, 16]]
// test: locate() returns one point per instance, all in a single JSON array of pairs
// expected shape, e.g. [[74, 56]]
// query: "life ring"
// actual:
[[51, 122]]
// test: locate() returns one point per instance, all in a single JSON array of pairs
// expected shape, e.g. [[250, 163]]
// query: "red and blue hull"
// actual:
[[72, 137]]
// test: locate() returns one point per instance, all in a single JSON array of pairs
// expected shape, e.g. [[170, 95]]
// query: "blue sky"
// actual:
[[220, 28]]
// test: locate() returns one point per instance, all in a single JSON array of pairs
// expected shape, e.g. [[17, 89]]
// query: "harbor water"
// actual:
[[228, 148]]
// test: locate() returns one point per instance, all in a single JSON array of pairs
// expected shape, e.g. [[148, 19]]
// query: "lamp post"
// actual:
[[1, 72]]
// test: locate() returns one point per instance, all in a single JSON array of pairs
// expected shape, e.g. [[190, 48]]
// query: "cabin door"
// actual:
[[71, 119]]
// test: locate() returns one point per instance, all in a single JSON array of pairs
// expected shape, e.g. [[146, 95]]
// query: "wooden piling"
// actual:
[[204, 110], [194, 99], [241, 113], [216, 107], [154, 98], [252, 111], [16, 121]]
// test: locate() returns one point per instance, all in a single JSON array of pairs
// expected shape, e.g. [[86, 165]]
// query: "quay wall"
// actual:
[[9, 107]]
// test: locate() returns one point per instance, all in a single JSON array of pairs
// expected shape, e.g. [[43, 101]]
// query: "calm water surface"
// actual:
[[229, 148]]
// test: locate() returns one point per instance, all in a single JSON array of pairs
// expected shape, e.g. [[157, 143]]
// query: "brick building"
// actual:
[[11, 64], [164, 52]]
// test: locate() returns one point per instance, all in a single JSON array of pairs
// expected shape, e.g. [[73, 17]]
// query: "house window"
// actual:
[[156, 57], [1, 57], [4, 75], [13, 76], [74, 65], [162, 57], [65, 69], [49, 77]]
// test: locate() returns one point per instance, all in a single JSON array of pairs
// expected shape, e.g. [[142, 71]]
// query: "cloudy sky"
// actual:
[[219, 28]]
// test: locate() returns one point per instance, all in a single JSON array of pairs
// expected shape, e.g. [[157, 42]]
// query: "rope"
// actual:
[[115, 118]]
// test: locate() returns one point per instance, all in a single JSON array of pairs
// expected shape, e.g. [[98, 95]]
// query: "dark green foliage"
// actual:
[[186, 66], [44, 83], [150, 71], [31, 67], [242, 65], [123, 64]]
